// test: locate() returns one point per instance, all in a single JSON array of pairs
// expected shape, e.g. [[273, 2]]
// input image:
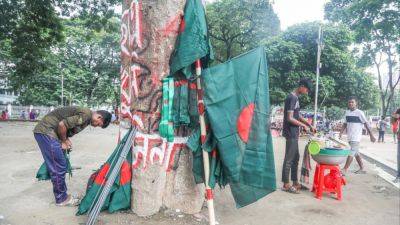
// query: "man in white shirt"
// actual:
[[355, 121]]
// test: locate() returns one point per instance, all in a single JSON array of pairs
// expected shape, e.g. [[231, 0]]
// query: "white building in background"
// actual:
[[6, 95]]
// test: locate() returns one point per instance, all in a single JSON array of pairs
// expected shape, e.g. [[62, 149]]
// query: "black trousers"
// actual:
[[381, 135], [291, 161]]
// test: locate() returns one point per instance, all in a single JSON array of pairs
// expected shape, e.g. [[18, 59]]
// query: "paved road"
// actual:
[[367, 200]]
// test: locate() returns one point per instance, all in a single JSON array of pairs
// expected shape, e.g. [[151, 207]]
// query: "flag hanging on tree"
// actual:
[[120, 194], [192, 43], [236, 96], [166, 128]]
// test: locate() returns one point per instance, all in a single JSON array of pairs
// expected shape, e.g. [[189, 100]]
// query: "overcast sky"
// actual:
[[291, 12]]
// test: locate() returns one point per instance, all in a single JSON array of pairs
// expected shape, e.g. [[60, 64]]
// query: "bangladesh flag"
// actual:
[[236, 96], [192, 44], [120, 194], [217, 175]]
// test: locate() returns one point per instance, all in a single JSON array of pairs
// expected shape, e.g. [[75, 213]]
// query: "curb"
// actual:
[[389, 169]]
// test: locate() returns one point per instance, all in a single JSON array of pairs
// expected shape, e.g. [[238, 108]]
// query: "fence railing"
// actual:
[[21, 112]]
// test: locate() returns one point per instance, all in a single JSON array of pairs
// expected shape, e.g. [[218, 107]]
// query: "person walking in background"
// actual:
[[355, 122], [113, 117], [396, 118], [23, 115], [32, 115], [37, 113], [4, 115], [395, 128], [382, 125]]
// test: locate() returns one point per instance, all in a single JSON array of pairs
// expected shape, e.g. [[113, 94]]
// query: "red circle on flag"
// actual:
[[244, 122]]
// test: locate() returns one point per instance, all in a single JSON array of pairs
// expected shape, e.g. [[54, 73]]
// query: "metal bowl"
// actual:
[[329, 159], [331, 156]]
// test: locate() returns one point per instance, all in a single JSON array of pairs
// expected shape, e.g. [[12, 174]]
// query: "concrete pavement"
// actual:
[[367, 198]]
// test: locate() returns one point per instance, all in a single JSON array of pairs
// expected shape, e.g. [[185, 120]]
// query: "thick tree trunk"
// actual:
[[149, 30]]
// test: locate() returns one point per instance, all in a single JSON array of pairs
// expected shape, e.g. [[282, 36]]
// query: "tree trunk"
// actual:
[[90, 90], [149, 30], [387, 91]]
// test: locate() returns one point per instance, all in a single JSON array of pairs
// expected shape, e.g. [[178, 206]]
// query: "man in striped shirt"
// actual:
[[355, 122]]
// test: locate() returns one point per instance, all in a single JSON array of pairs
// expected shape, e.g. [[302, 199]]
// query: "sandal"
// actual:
[[70, 201], [292, 190], [301, 187]]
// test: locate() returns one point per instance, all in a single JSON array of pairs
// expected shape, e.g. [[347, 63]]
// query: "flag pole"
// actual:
[[206, 160], [319, 43]]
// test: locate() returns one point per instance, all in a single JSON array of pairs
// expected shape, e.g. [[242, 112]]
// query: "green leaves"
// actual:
[[237, 26], [42, 40], [334, 113], [292, 55], [376, 25]]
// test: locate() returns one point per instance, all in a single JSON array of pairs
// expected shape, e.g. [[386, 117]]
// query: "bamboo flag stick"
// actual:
[[94, 212], [206, 161]]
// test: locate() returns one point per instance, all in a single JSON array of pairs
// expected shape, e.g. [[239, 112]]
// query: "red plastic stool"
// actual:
[[331, 182]]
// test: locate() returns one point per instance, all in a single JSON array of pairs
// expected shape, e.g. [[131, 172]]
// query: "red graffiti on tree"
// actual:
[[152, 148], [142, 68]]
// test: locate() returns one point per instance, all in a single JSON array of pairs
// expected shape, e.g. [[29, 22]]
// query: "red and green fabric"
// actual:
[[236, 96], [119, 197], [43, 173], [217, 175], [192, 44], [184, 110], [166, 127]]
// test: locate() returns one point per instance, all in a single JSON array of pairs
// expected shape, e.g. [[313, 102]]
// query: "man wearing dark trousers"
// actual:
[[52, 134], [292, 121]]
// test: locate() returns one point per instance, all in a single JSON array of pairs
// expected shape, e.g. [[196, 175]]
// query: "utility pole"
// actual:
[[70, 99], [320, 45], [62, 88], [62, 83]]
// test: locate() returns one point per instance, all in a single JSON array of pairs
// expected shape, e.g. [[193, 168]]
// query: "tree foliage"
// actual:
[[292, 55], [376, 25], [237, 26], [89, 61], [334, 113], [40, 40]]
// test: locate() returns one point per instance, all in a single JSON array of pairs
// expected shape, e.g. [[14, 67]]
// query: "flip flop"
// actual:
[[304, 188], [301, 187], [291, 190]]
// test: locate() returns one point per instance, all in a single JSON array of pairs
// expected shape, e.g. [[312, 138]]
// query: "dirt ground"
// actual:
[[367, 200]]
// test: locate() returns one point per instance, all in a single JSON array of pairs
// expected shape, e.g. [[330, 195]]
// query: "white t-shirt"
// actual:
[[355, 121]]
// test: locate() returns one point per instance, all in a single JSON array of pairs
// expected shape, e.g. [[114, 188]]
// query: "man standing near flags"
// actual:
[[52, 134], [292, 121]]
